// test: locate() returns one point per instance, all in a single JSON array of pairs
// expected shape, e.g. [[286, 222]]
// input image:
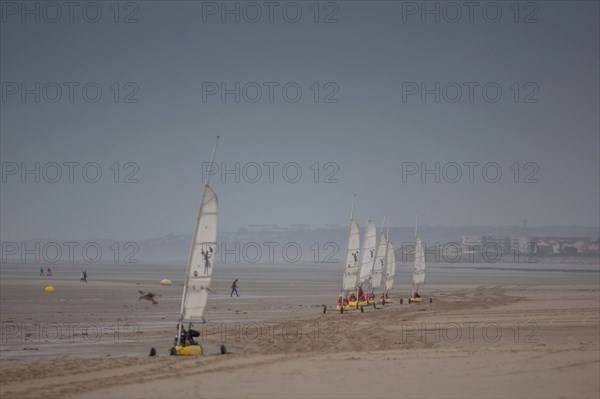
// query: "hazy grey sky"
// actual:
[[178, 54]]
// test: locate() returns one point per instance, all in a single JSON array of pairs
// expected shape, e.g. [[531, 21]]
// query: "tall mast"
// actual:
[[382, 226], [386, 256], [415, 251], [387, 244], [362, 249], [377, 249], [212, 158], [388, 228], [416, 225], [348, 244]]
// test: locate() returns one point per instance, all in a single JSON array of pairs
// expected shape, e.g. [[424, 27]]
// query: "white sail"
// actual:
[[202, 258], [352, 257], [368, 253], [379, 262], [419, 269], [390, 269]]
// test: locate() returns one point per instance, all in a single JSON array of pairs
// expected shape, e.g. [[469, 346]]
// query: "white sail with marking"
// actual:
[[352, 257], [379, 262], [368, 252], [390, 269], [202, 258], [419, 268]]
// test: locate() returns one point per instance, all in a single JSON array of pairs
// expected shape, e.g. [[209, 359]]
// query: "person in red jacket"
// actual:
[[361, 294]]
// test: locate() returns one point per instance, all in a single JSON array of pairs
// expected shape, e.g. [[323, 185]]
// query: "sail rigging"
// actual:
[[379, 261], [390, 269], [419, 265], [367, 253], [352, 257], [201, 261], [202, 256]]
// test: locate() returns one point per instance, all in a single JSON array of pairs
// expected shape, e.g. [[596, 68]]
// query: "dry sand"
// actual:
[[474, 340]]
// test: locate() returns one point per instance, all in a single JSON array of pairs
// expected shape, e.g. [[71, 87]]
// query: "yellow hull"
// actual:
[[354, 304], [190, 350], [415, 300], [388, 300], [346, 307]]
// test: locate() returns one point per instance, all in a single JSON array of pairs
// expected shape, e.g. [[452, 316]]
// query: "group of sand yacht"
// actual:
[[369, 269]]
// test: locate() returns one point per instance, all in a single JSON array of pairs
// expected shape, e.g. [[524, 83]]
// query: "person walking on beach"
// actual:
[[234, 288], [41, 271], [83, 278]]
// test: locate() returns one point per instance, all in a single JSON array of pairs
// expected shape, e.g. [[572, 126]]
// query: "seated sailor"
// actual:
[[188, 335]]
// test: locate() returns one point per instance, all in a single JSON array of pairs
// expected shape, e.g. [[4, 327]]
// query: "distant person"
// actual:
[[41, 271], [234, 288], [49, 272], [83, 276]]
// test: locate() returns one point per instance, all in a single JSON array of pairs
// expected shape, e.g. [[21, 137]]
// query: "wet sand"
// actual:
[[476, 339]]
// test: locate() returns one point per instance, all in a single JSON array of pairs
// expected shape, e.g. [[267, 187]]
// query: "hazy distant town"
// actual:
[[326, 245]]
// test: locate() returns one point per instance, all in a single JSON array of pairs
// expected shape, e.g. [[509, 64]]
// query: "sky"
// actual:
[[466, 114]]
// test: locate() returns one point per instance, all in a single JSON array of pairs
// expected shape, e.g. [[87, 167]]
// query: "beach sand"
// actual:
[[473, 341]]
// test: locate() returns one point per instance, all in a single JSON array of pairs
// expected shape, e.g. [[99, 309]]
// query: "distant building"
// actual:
[[471, 243], [565, 245], [544, 248], [505, 244], [522, 244]]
